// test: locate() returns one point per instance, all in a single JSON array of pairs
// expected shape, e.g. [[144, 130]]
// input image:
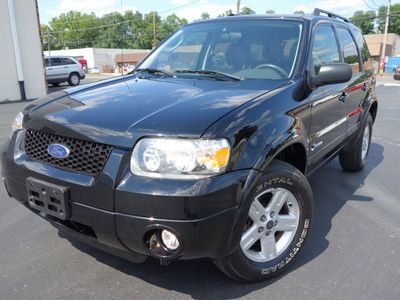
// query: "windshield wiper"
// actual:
[[211, 73], [153, 71]]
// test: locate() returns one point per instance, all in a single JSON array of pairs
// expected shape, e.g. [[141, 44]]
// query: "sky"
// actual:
[[192, 9]]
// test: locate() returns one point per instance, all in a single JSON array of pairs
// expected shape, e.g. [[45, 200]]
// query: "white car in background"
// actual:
[[130, 68], [94, 70], [63, 69]]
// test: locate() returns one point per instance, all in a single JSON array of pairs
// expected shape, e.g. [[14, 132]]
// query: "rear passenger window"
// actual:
[[349, 49], [325, 49], [46, 62], [56, 61], [362, 45], [67, 61]]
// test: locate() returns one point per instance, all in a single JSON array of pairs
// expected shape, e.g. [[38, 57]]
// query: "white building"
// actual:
[[21, 59], [95, 57]]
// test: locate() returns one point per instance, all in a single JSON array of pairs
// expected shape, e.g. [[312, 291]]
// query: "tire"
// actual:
[[355, 159], [250, 263], [74, 79]]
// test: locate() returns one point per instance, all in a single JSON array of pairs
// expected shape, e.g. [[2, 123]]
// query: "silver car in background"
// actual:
[[63, 69]]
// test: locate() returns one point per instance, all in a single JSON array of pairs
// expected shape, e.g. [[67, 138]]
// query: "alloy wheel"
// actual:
[[271, 226]]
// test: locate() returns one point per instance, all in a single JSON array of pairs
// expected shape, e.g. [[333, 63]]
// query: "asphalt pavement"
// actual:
[[353, 251]]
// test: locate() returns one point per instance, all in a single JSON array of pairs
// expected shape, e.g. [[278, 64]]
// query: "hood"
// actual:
[[119, 111]]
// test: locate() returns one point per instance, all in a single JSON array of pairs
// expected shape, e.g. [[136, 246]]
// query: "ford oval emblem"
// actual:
[[58, 150]]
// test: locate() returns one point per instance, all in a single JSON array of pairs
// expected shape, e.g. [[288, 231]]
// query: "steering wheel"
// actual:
[[275, 68]]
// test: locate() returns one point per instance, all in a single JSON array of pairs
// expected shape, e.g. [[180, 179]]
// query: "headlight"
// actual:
[[180, 158], [17, 124]]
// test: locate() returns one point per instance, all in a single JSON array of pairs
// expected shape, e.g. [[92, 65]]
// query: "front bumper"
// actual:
[[116, 209]]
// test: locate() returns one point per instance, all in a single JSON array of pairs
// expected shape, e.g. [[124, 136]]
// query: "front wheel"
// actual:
[[278, 222]]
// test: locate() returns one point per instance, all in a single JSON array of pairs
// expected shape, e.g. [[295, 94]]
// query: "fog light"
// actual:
[[169, 240]]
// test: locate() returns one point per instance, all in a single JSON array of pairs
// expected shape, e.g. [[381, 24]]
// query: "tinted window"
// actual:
[[253, 49], [56, 61], [362, 45], [349, 49], [325, 49], [67, 61], [46, 62]]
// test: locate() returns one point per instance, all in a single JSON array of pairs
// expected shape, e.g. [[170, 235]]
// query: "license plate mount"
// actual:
[[48, 198]]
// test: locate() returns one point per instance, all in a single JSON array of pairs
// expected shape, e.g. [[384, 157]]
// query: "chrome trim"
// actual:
[[330, 127]]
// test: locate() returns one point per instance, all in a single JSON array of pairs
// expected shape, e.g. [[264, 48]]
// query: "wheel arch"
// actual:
[[373, 110], [293, 152]]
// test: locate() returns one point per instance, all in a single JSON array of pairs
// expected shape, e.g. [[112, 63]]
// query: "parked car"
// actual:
[[94, 70], [205, 150], [130, 68], [396, 74], [61, 69]]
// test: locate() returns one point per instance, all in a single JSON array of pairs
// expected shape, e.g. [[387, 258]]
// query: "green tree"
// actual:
[[71, 29], [364, 20], [115, 34], [146, 38], [394, 19], [47, 37], [226, 13], [170, 24], [299, 12], [270, 11], [205, 16], [247, 11], [135, 38]]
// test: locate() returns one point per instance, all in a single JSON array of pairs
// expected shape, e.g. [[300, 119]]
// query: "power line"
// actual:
[[369, 6], [125, 21]]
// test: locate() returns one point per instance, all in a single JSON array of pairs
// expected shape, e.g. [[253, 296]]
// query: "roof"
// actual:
[[306, 17], [129, 57]]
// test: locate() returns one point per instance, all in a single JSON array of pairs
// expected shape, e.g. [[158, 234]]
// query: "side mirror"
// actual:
[[333, 73]]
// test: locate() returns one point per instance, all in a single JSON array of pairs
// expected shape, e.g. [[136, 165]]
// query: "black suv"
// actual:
[[203, 151]]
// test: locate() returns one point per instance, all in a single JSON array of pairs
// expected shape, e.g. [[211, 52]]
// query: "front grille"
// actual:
[[84, 157]]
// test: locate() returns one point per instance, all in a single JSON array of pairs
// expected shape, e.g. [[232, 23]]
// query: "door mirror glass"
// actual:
[[333, 73]]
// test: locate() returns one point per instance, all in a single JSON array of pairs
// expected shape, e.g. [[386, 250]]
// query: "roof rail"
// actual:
[[318, 11]]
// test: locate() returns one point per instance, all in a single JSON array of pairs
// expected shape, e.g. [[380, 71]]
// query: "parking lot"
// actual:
[[353, 251]]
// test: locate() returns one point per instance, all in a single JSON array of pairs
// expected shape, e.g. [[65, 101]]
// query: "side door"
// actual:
[[358, 86], [69, 65], [49, 69], [328, 113], [57, 68]]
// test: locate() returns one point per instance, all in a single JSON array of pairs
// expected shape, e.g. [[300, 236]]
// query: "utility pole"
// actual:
[[48, 41], [154, 29], [382, 62], [237, 7]]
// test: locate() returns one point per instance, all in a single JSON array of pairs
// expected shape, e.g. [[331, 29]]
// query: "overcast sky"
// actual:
[[191, 9]]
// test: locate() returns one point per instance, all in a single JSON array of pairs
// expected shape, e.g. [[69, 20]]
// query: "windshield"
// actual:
[[250, 49]]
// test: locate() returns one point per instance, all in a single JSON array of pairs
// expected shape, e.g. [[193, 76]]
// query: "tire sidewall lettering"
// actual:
[[292, 254]]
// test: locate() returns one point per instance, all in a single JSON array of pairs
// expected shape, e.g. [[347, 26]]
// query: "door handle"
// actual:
[[49, 68], [342, 97], [65, 67]]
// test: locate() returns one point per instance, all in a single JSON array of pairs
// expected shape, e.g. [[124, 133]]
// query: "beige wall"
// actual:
[[30, 48], [375, 41]]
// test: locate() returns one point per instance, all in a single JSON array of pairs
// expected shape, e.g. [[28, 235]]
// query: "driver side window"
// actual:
[[325, 49]]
